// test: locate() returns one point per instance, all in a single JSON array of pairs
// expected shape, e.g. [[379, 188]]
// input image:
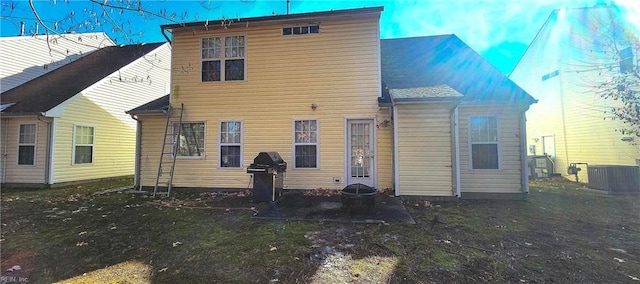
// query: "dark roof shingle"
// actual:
[[418, 62], [47, 91]]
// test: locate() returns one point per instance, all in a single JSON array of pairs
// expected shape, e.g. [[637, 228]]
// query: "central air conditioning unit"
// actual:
[[614, 178]]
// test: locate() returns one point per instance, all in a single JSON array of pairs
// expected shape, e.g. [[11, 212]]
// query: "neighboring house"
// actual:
[[69, 124], [561, 69], [339, 105], [25, 58]]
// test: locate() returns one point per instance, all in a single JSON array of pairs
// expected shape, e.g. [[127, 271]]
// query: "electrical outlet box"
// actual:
[[337, 179]]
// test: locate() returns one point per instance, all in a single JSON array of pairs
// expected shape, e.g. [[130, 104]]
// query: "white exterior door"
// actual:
[[549, 146], [360, 152]]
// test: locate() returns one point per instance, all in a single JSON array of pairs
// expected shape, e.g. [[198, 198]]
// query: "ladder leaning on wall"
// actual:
[[170, 146]]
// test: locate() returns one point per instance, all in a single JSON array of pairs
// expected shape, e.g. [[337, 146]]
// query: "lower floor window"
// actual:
[[305, 144], [27, 144], [484, 138], [188, 139], [485, 156], [306, 156], [83, 143], [230, 144]]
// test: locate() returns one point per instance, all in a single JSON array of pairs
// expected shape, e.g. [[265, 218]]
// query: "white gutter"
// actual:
[[396, 166], [456, 153], [523, 152], [4, 154], [52, 148], [47, 163]]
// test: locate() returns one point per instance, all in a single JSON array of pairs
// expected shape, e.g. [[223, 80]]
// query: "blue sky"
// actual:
[[500, 30]]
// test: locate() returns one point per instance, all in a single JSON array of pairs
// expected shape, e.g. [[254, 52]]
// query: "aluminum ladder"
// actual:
[[170, 146]]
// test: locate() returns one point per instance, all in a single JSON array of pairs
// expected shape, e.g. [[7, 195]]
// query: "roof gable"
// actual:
[[26, 57], [419, 62], [47, 91]]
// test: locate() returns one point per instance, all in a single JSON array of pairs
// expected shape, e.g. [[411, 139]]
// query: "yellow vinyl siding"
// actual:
[[12, 172], [424, 146], [336, 69], [114, 143], [103, 107], [507, 179], [590, 138]]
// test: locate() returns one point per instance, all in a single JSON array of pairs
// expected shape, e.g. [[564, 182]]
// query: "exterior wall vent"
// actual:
[[614, 178]]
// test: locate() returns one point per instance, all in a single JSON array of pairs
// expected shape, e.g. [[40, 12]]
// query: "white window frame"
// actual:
[[174, 137], [223, 144], [75, 144], [497, 142], [223, 58], [308, 26], [317, 144], [21, 143]]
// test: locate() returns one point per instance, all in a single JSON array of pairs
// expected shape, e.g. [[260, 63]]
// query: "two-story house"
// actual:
[[68, 124], [572, 54], [339, 105]]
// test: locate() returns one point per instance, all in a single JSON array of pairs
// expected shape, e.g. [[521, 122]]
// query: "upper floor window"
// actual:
[[301, 30], [223, 58], [626, 60], [230, 144], [27, 144], [483, 137]]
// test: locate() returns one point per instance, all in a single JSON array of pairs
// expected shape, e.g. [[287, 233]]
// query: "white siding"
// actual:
[[26, 57], [507, 179], [424, 146], [12, 172]]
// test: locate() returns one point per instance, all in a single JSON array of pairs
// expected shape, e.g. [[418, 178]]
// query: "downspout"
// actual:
[[165, 36], [523, 151], [47, 164], [456, 151], [4, 155], [136, 175], [396, 165]]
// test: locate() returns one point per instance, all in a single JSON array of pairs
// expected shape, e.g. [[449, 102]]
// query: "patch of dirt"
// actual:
[[18, 264], [330, 252]]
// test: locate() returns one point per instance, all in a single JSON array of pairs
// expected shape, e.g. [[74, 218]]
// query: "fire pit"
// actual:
[[359, 193]]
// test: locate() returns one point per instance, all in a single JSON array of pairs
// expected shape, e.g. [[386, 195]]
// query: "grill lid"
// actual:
[[269, 159]]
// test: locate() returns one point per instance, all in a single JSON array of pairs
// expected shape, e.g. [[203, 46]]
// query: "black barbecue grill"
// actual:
[[268, 176]]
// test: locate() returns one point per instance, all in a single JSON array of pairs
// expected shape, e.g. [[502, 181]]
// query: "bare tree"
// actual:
[[613, 48], [124, 20]]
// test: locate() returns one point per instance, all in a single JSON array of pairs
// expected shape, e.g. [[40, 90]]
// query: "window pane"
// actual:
[[286, 31], [234, 69], [485, 156], [27, 133], [84, 154], [26, 155], [306, 156], [314, 29], [191, 139], [210, 71], [230, 156]]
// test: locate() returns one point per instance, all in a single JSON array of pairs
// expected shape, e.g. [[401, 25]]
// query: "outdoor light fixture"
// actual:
[[314, 106]]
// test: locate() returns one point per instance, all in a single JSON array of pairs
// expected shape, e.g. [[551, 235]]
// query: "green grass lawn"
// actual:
[[561, 234]]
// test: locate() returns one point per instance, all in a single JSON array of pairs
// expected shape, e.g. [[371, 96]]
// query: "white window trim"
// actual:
[[204, 143], [498, 143], [294, 144], [222, 59], [34, 144], [300, 25], [241, 144], [93, 145]]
